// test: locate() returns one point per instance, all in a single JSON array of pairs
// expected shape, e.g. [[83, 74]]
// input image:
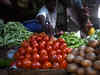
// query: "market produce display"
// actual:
[[72, 40], [5, 62], [95, 36], [85, 60], [1, 32], [42, 52], [13, 34]]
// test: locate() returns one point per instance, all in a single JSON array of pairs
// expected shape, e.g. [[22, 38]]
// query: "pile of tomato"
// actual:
[[42, 52]]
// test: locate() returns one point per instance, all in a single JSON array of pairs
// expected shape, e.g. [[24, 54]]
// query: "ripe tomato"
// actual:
[[56, 65], [43, 52], [43, 34], [26, 63], [61, 40], [28, 55], [34, 44], [21, 51], [53, 58], [56, 45], [43, 58], [47, 65], [50, 42], [36, 57], [16, 55], [29, 49], [49, 48], [42, 44], [69, 50], [25, 43], [33, 37], [60, 58], [39, 38], [19, 63], [36, 65], [64, 56], [59, 51], [65, 51], [21, 57], [35, 50], [63, 46], [46, 38], [53, 53], [63, 64]]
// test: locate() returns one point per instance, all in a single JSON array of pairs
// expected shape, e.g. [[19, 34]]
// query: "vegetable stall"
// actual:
[[38, 53]]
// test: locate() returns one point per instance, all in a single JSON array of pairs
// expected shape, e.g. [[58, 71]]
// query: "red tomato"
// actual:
[[56, 45], [65, 51], [26, 63], [36, 65], [16, 55], [25, 43], [36, 57], [64, 56], [61, 40], [35, 44], [28, 55], [46, 38], [21, 50], [33, 37], [60, 58], [69, 50], [53, 53], [53, 58], [19, 63], [43, 58], [47, 65], [43, 52], [39, 38], [63, 64], [50, 42], [43, 34], [56, 65], [49, 48], [21, 57], [29, 49], [63, 46], [42, 44], [59, 51], [35, 50]]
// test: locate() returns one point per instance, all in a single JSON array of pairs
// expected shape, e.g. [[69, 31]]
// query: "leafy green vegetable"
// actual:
[[72, 40], [5, 62], [13, 34]]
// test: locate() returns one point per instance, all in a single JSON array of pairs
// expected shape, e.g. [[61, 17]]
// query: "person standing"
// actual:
[[47, 17]]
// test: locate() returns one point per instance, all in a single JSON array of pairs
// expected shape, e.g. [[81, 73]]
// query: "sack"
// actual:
[[33, 25]]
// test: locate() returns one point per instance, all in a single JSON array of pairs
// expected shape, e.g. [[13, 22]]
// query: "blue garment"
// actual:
[[33, 26]]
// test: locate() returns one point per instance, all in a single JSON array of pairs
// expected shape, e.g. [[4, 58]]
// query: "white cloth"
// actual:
[[51, 16]]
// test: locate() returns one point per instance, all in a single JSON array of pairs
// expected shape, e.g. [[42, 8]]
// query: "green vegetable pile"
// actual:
[[5, 62], [1, 32], [13, 34], [95, 36], [73, 41]]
